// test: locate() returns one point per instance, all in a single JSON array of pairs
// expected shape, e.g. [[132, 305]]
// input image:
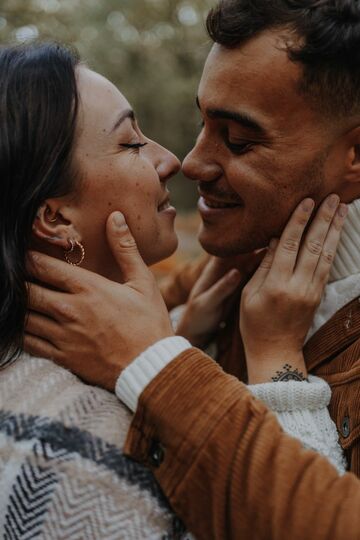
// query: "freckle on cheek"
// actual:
[[109, 203]]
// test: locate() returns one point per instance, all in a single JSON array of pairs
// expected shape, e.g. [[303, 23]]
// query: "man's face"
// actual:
[[262, 149]]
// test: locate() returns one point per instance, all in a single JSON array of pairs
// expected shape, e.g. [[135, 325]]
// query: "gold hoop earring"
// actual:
[[70, 253]]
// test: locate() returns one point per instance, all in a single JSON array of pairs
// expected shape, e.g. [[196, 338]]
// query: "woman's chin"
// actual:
[[161, 250]]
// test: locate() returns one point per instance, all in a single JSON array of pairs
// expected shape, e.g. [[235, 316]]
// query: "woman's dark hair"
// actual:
[[327, 43], [38, 108]]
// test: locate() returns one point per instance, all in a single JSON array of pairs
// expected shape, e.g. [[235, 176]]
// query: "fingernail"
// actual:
[[119, 220], [333, 201], [307, 205], [343, 210]]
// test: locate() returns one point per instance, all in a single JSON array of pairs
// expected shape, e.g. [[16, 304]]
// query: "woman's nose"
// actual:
[[168, 165]]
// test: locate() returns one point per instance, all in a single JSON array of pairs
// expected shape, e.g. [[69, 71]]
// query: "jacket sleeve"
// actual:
[[226, 466]]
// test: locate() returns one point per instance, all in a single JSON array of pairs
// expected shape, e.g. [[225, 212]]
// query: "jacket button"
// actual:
[[156, 454], [345, 426]]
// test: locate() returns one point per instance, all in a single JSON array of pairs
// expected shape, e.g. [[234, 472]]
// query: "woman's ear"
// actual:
[[50, 225]]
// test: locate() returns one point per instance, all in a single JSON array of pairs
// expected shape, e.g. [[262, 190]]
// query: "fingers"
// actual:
[[265, 266], [286, 254], [313, 244], [321, 274], [39, 347], [223, 288], [48, 302], [57, 273], [210, 275], [124, 248], [42, 327]]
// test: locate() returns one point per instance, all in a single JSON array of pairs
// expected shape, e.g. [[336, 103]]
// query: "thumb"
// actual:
[[124, 248]]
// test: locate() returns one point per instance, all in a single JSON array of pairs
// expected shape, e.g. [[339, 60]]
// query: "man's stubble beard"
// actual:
[[312, 181]]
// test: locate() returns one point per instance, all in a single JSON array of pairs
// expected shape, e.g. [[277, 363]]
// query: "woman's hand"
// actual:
[[206, 306], [279, 302]]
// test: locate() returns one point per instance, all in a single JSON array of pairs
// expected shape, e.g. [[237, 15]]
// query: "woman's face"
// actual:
[[120, 169]]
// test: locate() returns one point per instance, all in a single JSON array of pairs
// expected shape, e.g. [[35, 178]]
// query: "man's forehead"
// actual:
[[256, 74]]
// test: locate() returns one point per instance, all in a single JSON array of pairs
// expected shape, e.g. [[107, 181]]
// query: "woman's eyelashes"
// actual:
[[133, 146]]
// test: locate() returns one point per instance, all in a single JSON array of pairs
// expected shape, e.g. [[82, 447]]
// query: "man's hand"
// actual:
[[91, 325]]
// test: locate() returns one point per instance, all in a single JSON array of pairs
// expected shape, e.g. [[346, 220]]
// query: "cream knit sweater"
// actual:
[[63, 474]]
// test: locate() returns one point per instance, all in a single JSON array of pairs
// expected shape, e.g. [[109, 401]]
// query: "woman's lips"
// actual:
[[166, 208]]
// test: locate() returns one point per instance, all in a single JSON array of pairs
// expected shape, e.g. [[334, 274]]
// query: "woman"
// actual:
[[71, 153], [71, 150]]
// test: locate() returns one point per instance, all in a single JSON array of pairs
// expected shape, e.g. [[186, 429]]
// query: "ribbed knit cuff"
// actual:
[[301, 410], [145, 367], [293, 395]]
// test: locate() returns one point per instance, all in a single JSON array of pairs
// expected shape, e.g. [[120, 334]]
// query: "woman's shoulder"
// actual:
[[38, 388]]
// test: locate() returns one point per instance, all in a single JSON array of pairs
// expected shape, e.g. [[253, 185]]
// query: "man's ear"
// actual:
[[52, 227], [352, 166]]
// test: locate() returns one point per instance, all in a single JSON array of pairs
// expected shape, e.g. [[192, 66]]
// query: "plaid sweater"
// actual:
[[63, 474]]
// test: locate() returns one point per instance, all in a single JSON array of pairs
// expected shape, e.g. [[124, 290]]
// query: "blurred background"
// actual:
[[153, 50]]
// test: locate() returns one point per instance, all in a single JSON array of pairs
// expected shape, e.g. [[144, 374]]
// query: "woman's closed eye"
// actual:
[[133, 146]]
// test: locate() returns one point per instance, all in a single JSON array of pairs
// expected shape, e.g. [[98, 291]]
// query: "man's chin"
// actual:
[[223, 249]]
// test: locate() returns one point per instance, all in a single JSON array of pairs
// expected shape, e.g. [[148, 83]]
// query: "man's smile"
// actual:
[[210, 206]]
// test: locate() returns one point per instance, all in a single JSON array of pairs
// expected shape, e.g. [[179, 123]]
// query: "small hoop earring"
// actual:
[[70, 253]]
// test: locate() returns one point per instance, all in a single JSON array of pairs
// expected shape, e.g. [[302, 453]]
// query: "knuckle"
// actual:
[[65, 310], [267, 261], [314, 247], [127, 243], [290, 245], [328, 256]]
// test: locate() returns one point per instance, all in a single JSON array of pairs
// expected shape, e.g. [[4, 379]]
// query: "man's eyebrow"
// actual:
[[128, 113], [244, 119]]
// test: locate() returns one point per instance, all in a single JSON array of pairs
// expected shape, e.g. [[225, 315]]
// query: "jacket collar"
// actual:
[[335, 335]]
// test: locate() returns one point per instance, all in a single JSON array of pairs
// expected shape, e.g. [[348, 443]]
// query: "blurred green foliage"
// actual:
[[153, 50]]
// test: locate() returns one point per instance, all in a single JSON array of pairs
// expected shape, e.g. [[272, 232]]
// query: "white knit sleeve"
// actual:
[[145, 367], [301, 409]]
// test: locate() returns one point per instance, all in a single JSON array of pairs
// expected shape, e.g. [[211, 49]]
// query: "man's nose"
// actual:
[[200, 167]]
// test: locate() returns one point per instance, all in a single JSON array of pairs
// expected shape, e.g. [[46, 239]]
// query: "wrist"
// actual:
[[273, 367]]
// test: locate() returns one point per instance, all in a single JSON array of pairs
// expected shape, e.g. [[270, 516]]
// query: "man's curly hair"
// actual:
[[325, 40]]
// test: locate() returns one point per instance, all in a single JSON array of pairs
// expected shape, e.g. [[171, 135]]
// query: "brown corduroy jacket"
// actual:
[[222, 459]]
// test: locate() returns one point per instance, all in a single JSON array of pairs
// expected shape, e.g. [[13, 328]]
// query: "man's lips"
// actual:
[[212, 203]]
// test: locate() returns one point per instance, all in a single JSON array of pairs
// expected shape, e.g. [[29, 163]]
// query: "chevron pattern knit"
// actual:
[[62, 471]]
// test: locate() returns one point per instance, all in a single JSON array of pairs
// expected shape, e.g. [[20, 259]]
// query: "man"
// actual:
[[280, 102]]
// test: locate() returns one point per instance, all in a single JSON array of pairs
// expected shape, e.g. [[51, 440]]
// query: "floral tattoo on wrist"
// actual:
[[289, 373]]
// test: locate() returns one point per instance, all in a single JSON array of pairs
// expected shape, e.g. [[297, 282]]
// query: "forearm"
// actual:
[[229, 470]]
